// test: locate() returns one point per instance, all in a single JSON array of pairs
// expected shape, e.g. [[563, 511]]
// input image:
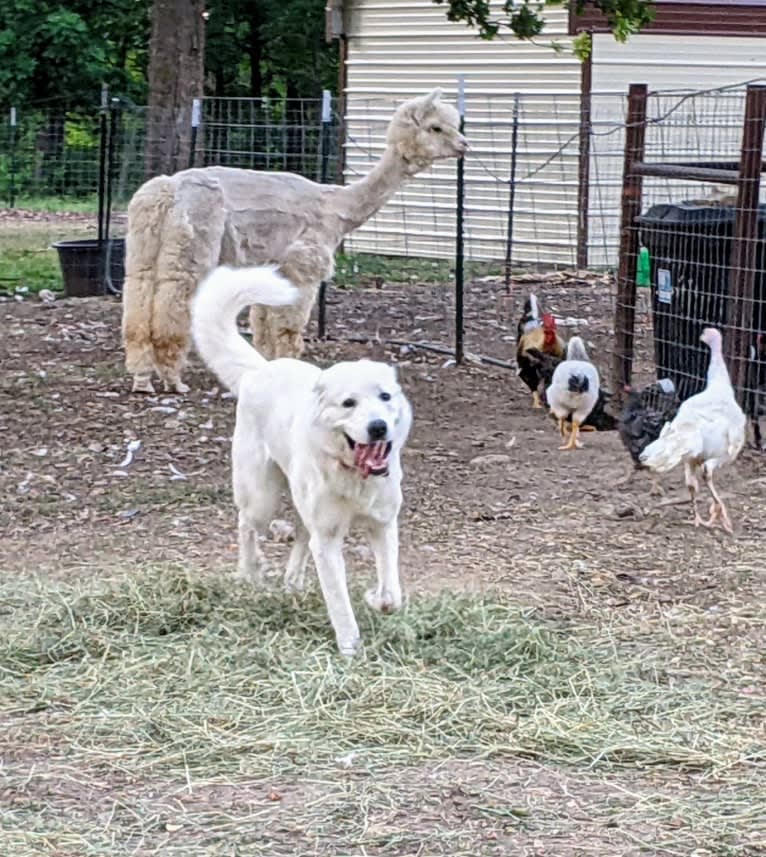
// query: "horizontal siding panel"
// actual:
[[400, 49]]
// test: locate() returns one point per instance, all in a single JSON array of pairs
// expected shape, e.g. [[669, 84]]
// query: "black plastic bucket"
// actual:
[[84, 266]]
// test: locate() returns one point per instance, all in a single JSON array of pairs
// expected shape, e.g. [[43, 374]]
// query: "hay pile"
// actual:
[[131, 705]]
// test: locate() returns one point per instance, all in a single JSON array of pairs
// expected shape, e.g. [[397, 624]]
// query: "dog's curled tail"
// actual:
[[223, 294]]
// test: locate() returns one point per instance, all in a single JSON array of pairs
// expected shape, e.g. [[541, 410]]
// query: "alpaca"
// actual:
[[180, 227]]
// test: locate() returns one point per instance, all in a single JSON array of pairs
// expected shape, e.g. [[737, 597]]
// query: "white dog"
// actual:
[[333, 437]]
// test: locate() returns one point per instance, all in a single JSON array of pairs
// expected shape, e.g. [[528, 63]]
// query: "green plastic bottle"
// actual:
[[644, 269]]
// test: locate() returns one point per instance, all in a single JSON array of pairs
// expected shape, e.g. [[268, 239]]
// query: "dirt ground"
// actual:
[[489, 499]]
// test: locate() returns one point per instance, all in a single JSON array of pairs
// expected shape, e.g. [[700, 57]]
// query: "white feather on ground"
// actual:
[[707, 433], [573, 391]]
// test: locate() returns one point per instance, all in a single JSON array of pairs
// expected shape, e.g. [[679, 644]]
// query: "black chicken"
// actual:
[[644, 414]]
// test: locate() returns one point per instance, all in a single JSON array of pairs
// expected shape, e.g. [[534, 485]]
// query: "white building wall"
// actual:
[[398, 49]]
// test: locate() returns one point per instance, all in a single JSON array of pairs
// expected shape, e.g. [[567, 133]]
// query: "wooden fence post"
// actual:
[[625, 305], [740, 318]]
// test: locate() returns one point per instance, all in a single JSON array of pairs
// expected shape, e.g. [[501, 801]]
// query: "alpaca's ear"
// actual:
[[428, 103]]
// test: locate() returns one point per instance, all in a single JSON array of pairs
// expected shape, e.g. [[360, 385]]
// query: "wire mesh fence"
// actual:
[[542, 193], [693, 249]]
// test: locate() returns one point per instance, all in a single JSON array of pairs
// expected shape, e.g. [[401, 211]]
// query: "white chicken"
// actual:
[[707, 433], [573, 391]]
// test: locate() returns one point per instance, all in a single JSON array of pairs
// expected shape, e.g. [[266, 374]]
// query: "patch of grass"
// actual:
[[367, 269], [57, 204], [163, 676], [27, 258], [30, 268]]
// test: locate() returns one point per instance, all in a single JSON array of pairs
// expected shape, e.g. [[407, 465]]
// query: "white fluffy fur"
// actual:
[[293, 425], [180, 227]]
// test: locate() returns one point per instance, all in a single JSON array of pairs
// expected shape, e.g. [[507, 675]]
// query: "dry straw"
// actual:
[[138, 709]]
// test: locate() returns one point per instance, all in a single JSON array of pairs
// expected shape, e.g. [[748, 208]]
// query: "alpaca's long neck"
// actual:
[[357, 202]]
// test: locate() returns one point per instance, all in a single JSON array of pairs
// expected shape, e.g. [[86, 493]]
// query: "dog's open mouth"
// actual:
[[371, 459]]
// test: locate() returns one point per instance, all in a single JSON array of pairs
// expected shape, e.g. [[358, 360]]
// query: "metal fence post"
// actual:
[[103, 134], [324, 143], [459, 247], [741, 316], [196, 119], [512, 193], [12, 159], [625, 306], [115, 110], [583, 182]]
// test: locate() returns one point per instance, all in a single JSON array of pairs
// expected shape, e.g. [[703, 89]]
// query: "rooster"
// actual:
[[644, 414], [539, 333], [708, 432], [573, 391]]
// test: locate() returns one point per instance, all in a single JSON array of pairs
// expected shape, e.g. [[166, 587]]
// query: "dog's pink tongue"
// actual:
[[370, 456]]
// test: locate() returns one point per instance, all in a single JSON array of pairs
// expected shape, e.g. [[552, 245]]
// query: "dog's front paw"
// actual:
[[383, 601], [253, 574], [349, 646], [295, 583]]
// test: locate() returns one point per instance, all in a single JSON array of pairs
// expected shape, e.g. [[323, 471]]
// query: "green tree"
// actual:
[[62, 52], [269, 47], [176, 73], [526, 19]]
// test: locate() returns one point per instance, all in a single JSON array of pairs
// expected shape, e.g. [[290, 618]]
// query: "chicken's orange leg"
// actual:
[[563, 429], [536, 403], [573, 442]]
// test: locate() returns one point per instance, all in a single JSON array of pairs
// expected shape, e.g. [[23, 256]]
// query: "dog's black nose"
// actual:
[[377, 430]]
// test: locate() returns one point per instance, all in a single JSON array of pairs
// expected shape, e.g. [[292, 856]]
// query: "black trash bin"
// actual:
[[690, 247], [86, 264]]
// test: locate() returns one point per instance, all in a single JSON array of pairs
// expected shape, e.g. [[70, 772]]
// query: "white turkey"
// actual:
[[708, 432]]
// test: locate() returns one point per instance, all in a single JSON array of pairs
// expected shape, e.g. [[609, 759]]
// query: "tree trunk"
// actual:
[[256, 52], [176, 75]]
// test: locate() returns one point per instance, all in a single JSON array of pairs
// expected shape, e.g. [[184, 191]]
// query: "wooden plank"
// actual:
[[682, 171], [625, 307], [742, 267]]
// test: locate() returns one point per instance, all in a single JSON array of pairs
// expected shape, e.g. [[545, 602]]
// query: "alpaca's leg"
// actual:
[[190, 249], [146, 220], [259, 327], [137, 293], [305, 264]]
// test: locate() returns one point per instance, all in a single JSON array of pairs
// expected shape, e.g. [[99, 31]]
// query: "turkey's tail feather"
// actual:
[[672, 446]]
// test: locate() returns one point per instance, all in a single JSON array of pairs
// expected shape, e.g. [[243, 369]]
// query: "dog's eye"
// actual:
[[385, 397], [349, 403], [437, 129]]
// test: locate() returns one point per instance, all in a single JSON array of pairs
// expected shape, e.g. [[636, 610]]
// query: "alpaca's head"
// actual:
[[425, 130]]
